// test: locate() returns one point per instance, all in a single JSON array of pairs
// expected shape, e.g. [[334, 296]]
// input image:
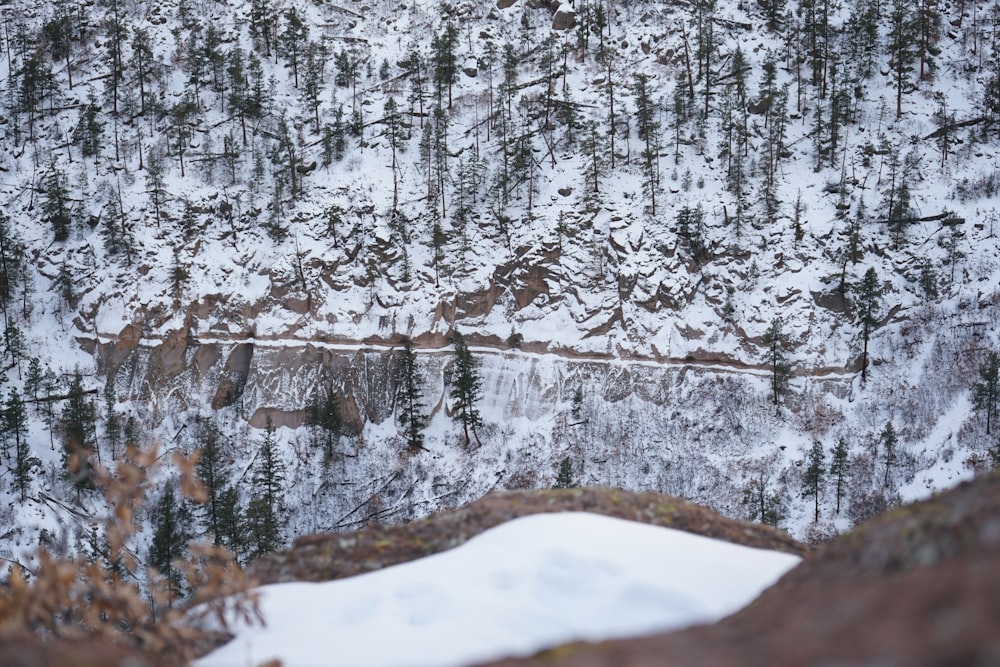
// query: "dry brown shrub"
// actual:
[[113, 599]]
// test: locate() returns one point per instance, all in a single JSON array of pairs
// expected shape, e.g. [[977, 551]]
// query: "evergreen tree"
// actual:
[[986, 394], [762, 504], [171, 520], [12, 262], [64, 285], [233, 531], [648, 128], [262, 513], [323, 417], [143, 65], [15, 427], [292, 41], [269, 469], [262, 20], [33, 381], [926, 25], [394, 137], [78, 434], [263, 533], [901, 47], [576, 405], [56, 206], [814, 476], [112, 422], [115, 33], [58, 33], [312, 78], [564, 480], [868, 293], [89, 130], [466, 388], [889, 441], [212, 470], [408, 394], [839, 468], [156, 186], [445, 61], [776, 342], [690, 228]]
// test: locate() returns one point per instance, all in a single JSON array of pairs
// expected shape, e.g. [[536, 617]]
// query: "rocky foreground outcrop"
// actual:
[[917, 586], [334, 555]]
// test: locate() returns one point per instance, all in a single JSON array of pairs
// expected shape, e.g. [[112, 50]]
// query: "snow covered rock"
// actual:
[[918, 586]]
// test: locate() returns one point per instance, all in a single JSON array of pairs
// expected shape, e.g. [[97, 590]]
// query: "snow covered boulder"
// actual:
[[564, 18]]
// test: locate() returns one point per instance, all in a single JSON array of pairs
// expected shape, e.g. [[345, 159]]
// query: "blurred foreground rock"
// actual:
[[329, 556], [917, 586]]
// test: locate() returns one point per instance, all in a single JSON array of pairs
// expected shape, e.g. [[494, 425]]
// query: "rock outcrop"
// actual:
[[335, 555], [917, 586]]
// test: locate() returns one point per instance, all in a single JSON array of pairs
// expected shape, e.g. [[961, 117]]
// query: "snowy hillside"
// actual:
[[684, 242]]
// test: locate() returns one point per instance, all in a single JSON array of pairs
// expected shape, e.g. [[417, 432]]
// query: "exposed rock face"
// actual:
[[564, 18], [335, 555], [917, 586]]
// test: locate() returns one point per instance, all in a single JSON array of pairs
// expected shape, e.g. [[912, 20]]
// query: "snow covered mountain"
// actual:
[[653, 224]]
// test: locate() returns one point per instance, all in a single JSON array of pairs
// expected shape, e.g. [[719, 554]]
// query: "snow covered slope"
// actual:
[[212, 217]]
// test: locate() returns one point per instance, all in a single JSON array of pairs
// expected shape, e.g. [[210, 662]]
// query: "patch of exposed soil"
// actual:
[[335, 555]]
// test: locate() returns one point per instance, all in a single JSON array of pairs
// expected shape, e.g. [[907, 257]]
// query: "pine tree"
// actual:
[[901, 48], [112, 422], [15, 426], [171, 522], [762, 504], [263, 533], [466, 388], [648, 128], [262, 513], [839, 468], [89, 130], [690, 224], [814, 476], [564, 480], [576, 405], [56, 206], [445, 61], [776, 342], [262, 21], [986, 394], [869, 302], [323, 417], [292, 41], [212, 470], [232, 526], [269, 469], [64, 286], [394, 137], [78, 434], [143, 65], [408, 395], [312, 75], [58, 33], [12, 262], [926, 25], [889, 441]]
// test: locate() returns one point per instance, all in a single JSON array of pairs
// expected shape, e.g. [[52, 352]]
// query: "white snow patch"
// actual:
[[531, 583]]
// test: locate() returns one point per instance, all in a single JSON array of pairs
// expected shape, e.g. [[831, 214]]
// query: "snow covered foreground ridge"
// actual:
[[532, 583]]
